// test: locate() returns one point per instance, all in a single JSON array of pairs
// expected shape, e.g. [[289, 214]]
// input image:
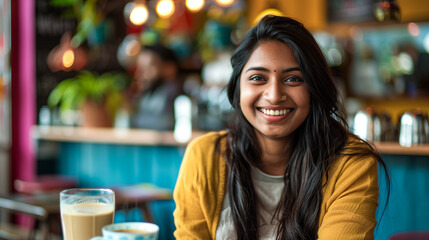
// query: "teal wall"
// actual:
[[408, 205], [104, 165], [101, 165]]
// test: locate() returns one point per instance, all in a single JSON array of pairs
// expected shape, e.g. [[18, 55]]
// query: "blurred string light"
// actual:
[[194, 5], [136, 13], [165, 8], [225, 3], [413, 29]]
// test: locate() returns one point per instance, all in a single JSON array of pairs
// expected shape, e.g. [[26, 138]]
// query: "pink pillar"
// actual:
[[22, 88]]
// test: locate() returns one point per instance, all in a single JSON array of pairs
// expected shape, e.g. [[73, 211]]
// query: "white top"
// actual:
[[269, 190]]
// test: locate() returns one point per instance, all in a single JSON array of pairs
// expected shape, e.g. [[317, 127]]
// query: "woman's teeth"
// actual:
[[275, 112]]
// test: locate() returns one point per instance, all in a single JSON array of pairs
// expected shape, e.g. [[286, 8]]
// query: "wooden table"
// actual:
[[138, 196]]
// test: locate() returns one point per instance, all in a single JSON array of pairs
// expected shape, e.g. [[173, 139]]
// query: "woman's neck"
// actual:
[[274, 158]]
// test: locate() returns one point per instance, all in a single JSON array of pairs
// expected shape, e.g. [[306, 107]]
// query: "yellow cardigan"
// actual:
[[350, 197]]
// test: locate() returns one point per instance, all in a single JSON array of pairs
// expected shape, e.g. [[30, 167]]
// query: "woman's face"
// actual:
[[273, 95]]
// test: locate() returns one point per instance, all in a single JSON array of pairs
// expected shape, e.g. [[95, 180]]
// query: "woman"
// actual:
[[289, 168]]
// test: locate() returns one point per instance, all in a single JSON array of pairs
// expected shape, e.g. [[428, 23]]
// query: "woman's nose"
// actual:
[[274, 93]]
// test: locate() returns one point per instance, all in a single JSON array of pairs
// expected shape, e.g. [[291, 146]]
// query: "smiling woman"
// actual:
[[288, 168], [274, 103]]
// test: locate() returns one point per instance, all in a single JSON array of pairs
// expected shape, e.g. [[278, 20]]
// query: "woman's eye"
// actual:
[[293, 79], [256, 78]]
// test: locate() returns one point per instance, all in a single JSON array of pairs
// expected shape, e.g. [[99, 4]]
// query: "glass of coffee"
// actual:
[[84, 212]]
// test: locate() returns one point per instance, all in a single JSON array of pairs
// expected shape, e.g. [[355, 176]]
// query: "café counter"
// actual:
[[105, 157], [166, 138]]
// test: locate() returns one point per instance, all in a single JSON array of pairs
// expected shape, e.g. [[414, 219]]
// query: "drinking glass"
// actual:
[[85, 211]]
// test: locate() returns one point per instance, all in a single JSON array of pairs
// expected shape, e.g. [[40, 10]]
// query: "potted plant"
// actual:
[[98, 97]]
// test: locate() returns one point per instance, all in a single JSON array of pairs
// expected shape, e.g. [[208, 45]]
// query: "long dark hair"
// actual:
[[323, 137]]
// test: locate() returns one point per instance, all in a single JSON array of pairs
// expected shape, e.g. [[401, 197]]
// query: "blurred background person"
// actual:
[[156, 84]]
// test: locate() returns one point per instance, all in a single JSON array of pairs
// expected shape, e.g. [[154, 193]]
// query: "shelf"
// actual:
[[396, 149], [107, 135]]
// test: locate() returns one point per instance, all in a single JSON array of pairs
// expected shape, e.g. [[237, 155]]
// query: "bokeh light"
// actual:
[[194, 5], [139, 14], [269, 11], [406, 63], [225, 3], [413, 29], [165, 8], [426, 42], [132, 48], [68, 58]]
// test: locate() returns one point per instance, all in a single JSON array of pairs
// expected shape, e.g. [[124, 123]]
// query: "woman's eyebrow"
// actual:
[[290, 69], [262, 69]]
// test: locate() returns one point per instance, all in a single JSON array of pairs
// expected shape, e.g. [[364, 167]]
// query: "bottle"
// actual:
[[183, 118]]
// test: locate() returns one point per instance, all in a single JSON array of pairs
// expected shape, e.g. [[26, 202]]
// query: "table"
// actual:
[[44, 207]]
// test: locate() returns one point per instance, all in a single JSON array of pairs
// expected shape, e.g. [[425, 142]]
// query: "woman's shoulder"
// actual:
[[356, 154], [207, 140], [202, 155], [355, 145]]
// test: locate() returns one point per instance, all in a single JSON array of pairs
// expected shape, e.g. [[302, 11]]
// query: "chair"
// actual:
[[418, 235], [42, 208], [36, 200]]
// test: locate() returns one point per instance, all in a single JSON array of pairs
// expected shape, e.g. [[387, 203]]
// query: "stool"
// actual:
[[140, 195], [418, 235]]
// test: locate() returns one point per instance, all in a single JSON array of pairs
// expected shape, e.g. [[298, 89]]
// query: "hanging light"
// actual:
[[225, 3], [136, 13], [68, 58], [65, 57], [194, 5], [165, 8]]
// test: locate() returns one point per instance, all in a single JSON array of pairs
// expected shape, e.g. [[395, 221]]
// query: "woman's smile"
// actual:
[[274, 114]]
